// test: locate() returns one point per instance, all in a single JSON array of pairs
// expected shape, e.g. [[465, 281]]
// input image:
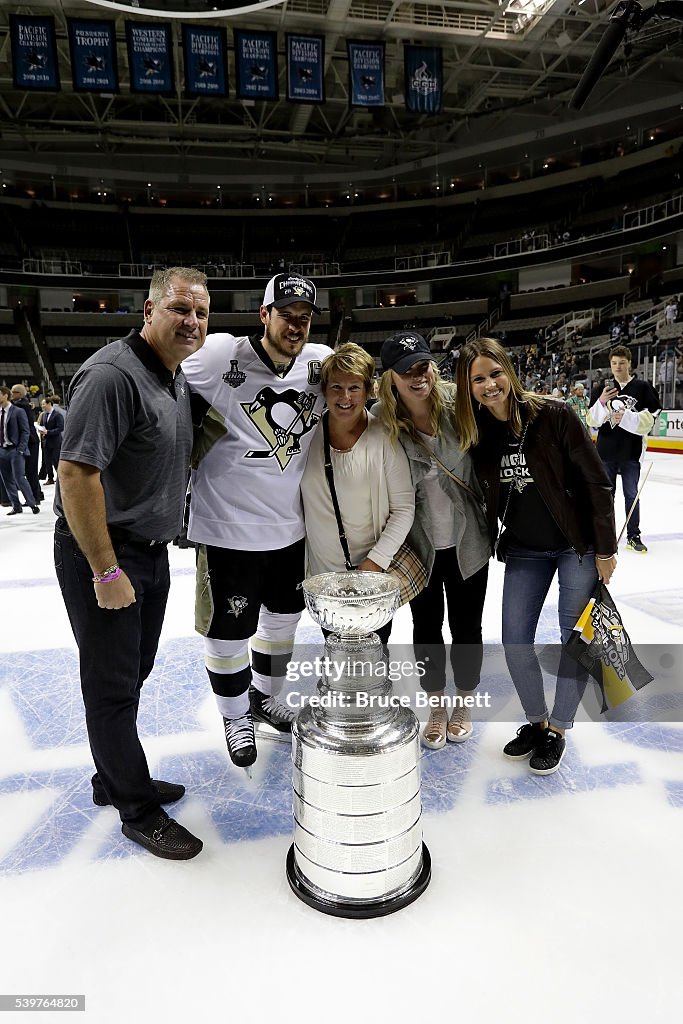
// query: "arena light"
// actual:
[[526, 11]]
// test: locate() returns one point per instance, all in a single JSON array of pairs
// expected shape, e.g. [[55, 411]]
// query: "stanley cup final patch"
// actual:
[[281, 418], [234, 376]]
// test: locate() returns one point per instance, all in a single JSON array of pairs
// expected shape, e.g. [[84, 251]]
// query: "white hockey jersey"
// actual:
[[245, 489]]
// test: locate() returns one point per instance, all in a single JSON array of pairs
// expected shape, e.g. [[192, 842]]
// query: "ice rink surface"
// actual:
[[557, 897]]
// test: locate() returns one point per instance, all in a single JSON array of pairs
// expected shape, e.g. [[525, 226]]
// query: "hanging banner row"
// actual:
[[94, 65]]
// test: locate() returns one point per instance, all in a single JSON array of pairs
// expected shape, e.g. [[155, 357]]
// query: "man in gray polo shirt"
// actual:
[[120, 499]]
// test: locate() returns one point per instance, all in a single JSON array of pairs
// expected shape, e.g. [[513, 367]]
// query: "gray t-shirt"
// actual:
[[130, 417]]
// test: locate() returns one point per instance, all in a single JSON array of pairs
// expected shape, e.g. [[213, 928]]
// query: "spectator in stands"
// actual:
[[51, 428], [120, 498], [373, 393], [370, 476], [449, 532], [14, 435], [671, 311], [528, 452], [578, 402], [666, 373], [20, 398], [624, 410]]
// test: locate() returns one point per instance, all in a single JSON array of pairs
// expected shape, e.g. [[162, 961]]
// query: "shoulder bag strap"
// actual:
[[333, 493], [480, 500]]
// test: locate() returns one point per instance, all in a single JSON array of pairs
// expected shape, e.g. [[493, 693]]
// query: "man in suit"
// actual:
[[20, 399], [14, 432], [52, 430]]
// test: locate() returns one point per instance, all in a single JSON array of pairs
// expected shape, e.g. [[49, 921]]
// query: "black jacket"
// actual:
[[23, 403], [566, 469]]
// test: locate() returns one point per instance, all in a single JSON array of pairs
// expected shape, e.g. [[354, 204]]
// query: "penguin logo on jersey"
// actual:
[[234, 376], [281, 417], [237, 605], [620, 404]]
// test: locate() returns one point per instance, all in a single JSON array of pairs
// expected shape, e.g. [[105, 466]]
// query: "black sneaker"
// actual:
[[636, 544], [271, 710], [239, 735], [548, 754], [525, 742], [165, 837]]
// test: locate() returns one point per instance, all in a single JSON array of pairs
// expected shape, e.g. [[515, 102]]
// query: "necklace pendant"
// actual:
[[520, 485]]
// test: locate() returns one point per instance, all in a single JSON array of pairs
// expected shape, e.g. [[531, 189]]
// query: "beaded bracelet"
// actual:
[[109, 575]]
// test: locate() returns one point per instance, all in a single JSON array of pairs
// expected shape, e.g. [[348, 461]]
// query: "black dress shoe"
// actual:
[[165, 837], [35, 509], [168, 792], [15, 512]]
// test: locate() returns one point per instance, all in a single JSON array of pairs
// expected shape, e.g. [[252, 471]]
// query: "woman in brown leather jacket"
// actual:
[[545, 484]]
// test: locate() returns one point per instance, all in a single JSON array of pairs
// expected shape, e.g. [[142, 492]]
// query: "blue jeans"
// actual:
[[116, 654], [528, 575], [630, 474]]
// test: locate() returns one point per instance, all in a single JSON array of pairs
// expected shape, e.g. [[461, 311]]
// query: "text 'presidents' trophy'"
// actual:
[[358, 849]]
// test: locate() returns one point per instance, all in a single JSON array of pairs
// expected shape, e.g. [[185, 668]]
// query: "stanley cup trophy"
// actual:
[[358, 849]]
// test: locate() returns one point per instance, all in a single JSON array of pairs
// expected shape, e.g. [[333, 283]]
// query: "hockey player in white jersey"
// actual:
[[259, 401]]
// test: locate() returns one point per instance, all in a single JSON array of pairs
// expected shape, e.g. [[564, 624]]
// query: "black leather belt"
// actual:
[[130, 537], [119, 533]]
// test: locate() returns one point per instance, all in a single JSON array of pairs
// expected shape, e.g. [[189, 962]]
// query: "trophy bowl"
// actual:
[[351, 604]]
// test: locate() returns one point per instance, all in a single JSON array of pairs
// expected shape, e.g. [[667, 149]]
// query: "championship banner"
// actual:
[[423, 79], [150, 57], [366, 74], [256, 65], [94, 66], [205, 51], [34, 53], [305, 68]]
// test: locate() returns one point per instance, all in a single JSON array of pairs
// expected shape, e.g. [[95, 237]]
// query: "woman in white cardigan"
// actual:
[[371, 476]]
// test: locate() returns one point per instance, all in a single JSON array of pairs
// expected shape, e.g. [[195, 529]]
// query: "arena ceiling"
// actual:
[[510, 68]]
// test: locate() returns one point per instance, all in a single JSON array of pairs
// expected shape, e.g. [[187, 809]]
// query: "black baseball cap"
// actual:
[[284, 289], [401, 350]]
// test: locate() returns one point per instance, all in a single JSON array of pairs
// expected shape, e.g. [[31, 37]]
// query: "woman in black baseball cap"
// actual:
[[449, 532]]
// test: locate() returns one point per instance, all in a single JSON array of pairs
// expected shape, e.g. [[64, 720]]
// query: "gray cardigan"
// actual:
[[472, 546]]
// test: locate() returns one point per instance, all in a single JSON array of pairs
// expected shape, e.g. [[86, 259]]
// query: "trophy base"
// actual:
[[357, 909], [264, 731]]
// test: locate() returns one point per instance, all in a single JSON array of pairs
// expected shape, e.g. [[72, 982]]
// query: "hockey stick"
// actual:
[[635, 502]]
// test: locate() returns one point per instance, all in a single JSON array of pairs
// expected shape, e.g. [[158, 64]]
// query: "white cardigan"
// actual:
[[375, 495]]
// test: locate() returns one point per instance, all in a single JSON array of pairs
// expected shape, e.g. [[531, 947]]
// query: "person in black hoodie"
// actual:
[[545, 484]]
